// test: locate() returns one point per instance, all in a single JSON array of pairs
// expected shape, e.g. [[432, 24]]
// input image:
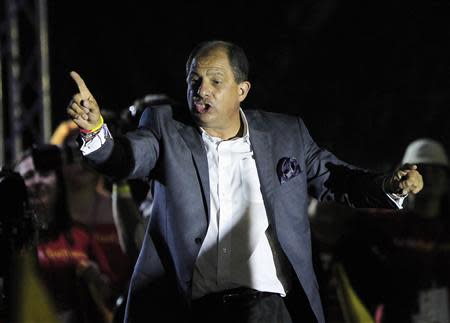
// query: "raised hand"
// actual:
[[83, 108], [404, 180]]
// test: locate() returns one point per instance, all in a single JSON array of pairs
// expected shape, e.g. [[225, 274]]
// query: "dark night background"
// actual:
[[367, 76]]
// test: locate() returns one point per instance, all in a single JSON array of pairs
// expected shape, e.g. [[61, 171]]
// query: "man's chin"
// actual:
[[201, 119], [39, 206]]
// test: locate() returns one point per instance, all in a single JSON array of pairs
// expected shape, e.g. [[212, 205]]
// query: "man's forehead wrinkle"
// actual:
[[198, 70], [211, 61]]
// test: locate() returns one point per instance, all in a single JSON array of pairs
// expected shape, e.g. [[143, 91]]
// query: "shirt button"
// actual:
[[198, 240], [225, 250]]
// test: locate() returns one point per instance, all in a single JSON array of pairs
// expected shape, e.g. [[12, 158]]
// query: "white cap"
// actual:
[[425, 151]]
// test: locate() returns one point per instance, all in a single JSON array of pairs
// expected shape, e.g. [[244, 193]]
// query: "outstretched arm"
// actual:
[[331, 179]]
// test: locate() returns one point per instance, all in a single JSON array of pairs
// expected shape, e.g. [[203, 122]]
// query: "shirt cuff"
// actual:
[[397, 199], [89, 146]]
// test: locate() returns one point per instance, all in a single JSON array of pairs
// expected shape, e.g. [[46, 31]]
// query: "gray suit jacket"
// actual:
[[168, 148]]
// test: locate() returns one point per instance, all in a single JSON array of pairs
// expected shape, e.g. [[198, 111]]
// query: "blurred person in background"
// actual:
[[432, 160], [71, 263], [18, 236], [398, 262], [114, 211], [90, 200]]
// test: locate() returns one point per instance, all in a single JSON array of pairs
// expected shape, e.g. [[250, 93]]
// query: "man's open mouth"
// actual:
[[202, 107]]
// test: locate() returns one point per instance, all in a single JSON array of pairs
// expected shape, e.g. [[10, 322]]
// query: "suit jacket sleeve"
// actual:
[[131, 156], [330, 179]]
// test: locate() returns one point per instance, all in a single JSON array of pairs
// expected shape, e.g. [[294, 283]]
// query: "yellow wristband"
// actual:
[[122, 190], [97, 127]]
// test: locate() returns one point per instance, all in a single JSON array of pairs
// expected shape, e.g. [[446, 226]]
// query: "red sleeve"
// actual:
[[99, 257], [94, 252]]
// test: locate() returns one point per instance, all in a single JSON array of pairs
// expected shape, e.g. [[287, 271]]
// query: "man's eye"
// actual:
[[45, 173], [28, 175], [193, 80]]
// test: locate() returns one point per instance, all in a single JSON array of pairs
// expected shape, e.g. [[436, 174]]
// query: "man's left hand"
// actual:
[[404, 180]]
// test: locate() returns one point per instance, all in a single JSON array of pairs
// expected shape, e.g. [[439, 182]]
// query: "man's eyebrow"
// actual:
[[210, 71], [28, 173], [215, 71]]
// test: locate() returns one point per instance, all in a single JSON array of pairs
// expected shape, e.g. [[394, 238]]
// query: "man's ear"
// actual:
[[244, 87]]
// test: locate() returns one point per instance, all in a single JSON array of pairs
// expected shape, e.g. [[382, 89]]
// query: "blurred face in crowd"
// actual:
[[213, 94], [77, 175], [41, 187]]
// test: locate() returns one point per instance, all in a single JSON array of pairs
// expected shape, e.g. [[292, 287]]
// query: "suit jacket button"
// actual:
[[198, 240]]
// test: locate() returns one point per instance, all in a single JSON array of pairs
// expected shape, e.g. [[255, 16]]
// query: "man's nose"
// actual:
[[204, 89], [35, 179]]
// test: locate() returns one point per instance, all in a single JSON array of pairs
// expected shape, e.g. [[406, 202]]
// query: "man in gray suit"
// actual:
[[229, 238]]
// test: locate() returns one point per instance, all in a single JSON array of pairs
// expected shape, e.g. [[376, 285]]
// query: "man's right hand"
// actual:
[[83, 108]]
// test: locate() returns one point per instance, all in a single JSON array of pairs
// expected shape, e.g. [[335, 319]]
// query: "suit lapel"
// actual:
[[261, 142], [262, 146], [192, 138]]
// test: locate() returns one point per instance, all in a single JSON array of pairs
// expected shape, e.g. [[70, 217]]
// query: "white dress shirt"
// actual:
[[237, 250]]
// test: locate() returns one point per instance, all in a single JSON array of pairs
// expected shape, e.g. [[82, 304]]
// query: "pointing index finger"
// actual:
[[84, 91]]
